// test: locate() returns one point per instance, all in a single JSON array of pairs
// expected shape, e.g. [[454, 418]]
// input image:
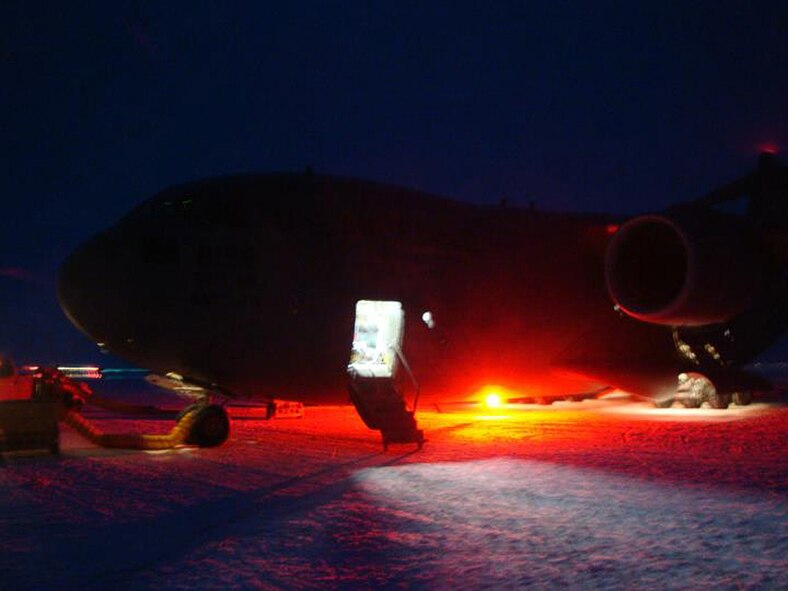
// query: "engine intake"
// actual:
[[690, 268]]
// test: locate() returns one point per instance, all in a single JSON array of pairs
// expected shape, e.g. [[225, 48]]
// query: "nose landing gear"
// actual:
[[211, 426]]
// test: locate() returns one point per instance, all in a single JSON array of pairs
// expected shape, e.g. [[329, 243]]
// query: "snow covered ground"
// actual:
[[593, 495]]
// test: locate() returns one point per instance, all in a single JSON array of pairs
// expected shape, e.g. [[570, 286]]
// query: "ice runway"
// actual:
[[593, 495]]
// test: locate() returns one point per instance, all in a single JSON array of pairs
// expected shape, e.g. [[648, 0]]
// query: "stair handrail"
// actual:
[[401, 356]]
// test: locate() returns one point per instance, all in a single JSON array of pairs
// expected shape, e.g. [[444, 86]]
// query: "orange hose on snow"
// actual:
[[177, 436]]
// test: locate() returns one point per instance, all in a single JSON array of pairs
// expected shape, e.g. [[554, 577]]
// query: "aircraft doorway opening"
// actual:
[[377, 337]]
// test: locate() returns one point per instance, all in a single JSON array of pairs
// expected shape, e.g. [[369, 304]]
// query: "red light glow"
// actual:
[[769, 148], [492, 400]]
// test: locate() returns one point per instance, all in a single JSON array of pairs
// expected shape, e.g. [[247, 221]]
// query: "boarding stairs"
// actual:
[[381, 404]]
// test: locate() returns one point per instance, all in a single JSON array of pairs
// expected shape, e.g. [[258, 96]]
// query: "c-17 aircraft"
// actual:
[[308, 287]]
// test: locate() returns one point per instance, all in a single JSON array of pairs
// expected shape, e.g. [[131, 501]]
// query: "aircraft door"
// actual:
[[377, 338]]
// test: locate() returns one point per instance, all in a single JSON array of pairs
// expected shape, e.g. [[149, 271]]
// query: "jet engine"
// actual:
[[686, 268]]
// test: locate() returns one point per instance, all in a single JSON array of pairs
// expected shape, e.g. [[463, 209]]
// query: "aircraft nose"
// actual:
[[84, 284]]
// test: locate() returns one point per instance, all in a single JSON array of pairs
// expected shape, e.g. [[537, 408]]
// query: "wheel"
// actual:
[[742, 398], [211, 427], [719, 399]]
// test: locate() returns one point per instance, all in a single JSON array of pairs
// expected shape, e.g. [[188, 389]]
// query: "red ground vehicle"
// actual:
[[13, 385], [40, 383]]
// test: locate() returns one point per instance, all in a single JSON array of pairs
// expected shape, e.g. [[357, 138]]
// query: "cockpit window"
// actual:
[[239, 203], [175, 201]]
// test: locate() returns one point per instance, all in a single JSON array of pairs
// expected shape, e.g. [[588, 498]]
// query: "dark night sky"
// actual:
[[594, 106]]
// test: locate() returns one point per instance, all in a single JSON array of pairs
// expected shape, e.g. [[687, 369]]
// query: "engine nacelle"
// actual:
[[690, 268]]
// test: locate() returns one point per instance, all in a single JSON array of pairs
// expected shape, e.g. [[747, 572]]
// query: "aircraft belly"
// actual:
[[493, 326]]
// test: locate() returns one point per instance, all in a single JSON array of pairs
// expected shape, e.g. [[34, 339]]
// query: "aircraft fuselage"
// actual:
[[251, 282]]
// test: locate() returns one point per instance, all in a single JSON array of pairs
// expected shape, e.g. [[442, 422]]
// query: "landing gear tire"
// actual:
[[211, 427], [719, 400], [742, 398]]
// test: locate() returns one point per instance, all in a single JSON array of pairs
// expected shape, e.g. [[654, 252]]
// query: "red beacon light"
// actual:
[[769, 148], [492, 400]]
